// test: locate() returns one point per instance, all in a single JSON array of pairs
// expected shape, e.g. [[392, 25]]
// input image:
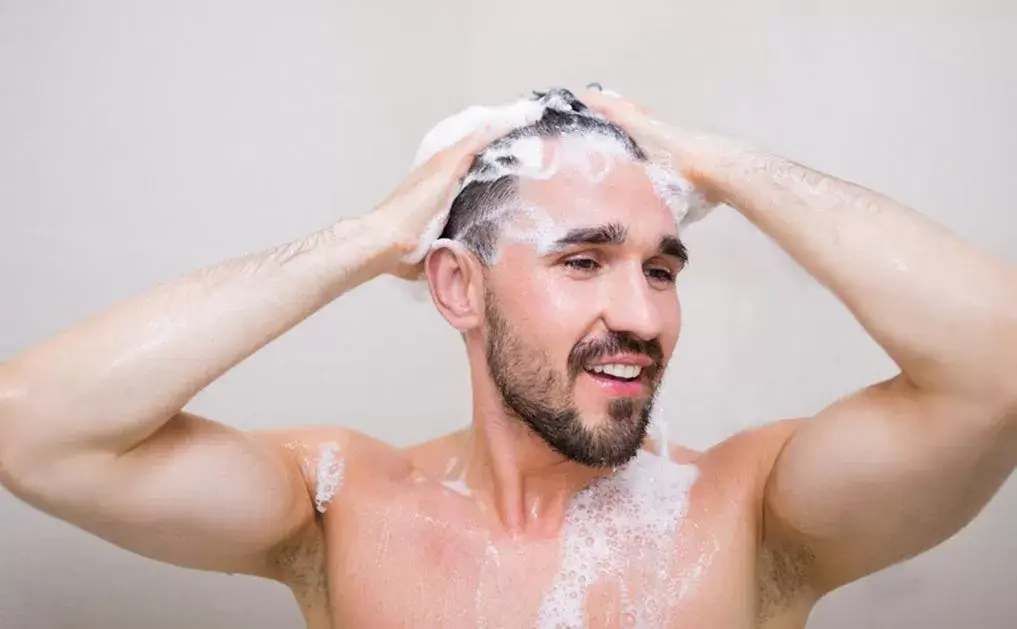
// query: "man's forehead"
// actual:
[[619, 191]]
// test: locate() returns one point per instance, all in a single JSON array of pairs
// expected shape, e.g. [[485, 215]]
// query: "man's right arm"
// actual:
[[92, 429]]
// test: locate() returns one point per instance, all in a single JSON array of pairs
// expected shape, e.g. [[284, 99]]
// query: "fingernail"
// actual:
[[599, 87]]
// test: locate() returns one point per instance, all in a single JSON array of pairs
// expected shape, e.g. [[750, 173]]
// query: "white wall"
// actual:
[[143, 139]]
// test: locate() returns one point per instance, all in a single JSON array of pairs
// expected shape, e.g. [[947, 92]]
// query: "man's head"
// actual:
[[563, 283]]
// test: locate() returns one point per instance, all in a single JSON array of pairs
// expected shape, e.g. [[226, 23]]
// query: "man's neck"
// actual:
[[523, 484]]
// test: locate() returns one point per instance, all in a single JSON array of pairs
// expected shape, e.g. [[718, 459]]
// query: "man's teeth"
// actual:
[[627, 372]]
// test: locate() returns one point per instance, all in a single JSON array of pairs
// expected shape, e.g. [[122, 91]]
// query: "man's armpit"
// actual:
[[783, 573]]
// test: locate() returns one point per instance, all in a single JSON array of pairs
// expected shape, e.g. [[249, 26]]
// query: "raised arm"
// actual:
[[900, 466], [92, 429]]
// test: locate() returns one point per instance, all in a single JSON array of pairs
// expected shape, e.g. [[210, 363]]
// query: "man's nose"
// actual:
[[629, 305]]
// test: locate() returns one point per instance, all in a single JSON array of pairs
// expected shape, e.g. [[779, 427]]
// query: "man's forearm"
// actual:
[[944, 311], [112, 380]]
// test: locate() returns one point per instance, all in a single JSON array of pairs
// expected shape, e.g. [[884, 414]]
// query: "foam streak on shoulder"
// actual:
[[328, 475]]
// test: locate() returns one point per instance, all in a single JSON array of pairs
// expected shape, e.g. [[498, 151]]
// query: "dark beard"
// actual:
[[532, 391]]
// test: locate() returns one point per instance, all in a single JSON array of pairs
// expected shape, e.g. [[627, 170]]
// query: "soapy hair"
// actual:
[[492, 182]]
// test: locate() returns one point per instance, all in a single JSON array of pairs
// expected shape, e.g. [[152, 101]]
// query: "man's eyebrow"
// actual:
[[615, 234], [608, 234], [674, 247]]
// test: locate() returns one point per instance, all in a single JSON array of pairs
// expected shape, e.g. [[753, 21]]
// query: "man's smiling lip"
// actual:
[[640, 360], [624, 388]]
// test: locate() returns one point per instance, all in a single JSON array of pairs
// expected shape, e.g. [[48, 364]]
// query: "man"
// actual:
[[553, 510]]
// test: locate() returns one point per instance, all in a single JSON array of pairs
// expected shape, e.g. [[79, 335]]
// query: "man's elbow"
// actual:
[[12, 458], [32, 468], [22, 472]]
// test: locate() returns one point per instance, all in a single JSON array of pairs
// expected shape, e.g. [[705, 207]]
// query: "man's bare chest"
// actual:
[[395, 566]]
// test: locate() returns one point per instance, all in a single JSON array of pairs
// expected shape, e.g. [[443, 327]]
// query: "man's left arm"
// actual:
[[902, 465]]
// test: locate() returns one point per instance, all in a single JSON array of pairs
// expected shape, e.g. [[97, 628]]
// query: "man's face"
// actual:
[[581, 326]]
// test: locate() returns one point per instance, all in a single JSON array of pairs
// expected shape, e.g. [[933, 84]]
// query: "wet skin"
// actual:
[[92, 429], [402, 548]]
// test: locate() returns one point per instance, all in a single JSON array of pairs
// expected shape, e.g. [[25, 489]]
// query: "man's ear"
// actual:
[[455, 277]]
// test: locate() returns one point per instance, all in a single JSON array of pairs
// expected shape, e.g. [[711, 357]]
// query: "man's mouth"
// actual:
[[616, 371], [620, 379]]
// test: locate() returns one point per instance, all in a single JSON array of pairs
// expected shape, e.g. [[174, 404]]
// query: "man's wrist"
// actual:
[[712, 163], [364, 245]]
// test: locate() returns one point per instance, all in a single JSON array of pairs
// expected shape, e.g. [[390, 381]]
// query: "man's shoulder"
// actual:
[[752, 451], [316, 449], [335, 436]]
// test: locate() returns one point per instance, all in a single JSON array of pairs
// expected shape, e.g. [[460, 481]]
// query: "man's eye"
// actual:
[[662, 275], [582, 264]]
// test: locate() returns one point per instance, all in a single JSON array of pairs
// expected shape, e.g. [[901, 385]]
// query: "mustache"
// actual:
[[615, 343]]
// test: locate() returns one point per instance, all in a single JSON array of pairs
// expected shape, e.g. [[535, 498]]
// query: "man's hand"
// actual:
[[665, 144], [428, 190]]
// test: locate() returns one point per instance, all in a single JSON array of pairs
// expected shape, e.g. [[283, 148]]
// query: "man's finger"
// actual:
[[600, 89], [612, 107], [468, 147], [495, 129], [486, 135], [464, 152], [480, 139]]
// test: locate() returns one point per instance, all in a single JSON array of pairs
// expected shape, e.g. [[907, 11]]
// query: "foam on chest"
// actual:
[[629, 518]]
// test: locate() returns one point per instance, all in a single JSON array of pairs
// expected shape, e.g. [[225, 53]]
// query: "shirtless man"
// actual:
[[561, 513]]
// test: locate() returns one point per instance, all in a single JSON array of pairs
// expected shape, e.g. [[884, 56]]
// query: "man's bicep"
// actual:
[[879, 477], [197, 494]]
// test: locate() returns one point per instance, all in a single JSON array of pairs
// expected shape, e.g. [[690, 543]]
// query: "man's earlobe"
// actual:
[[455, 279]]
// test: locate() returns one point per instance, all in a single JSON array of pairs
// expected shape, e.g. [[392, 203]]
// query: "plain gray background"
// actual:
[[140, 140]]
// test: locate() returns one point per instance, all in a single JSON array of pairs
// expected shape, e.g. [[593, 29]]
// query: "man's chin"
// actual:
[[610, 461], [615, 414], [613, 441]]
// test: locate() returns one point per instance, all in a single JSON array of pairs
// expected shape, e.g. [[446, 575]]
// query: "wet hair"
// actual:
[[475, 216]]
